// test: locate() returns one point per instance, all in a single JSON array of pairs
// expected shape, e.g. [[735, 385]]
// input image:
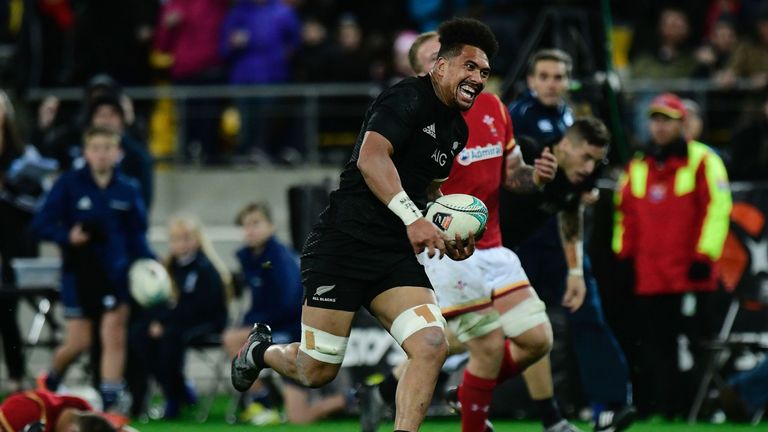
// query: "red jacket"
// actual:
[[670, 214], [23, 408]]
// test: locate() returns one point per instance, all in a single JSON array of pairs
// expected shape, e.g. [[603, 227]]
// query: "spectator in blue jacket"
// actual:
[[97, 217], [271, 272], [159, 336]]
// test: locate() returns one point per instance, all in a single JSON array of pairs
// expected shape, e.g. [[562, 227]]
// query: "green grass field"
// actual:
[[442, 425], [216, 423]]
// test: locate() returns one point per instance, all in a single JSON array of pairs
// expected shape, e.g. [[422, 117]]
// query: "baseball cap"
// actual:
[[668, 104]]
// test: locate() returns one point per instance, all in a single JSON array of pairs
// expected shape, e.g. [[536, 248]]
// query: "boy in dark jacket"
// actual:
[[97, 217]]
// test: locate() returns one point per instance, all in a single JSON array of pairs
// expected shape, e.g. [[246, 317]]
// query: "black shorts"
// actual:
[[342, 273]]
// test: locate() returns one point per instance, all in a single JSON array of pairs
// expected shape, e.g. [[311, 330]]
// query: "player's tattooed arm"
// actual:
[[525, 179], [519, 176], [521, 181], [571, 233], [572, 225]]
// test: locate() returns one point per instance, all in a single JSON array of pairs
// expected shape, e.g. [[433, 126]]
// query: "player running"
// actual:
[[362, 252], [487, 298]]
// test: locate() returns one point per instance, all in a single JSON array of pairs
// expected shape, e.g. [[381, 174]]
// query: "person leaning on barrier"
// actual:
[[671, 221]]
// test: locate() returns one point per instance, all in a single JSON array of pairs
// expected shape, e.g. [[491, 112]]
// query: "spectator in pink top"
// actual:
[[187, 45], [188, 31]]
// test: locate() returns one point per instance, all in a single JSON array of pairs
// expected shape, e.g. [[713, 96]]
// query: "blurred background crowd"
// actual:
[[714, 53], [201, 91]]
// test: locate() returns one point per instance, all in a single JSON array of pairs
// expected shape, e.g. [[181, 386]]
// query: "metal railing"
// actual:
[[309, 110], [310, 103]]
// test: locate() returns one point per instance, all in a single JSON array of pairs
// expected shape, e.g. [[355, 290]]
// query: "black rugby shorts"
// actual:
[[342, 273]]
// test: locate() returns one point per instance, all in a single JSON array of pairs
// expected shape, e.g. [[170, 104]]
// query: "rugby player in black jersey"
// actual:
[[363, 250]]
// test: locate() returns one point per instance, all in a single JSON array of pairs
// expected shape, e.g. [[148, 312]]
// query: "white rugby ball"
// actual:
[[458, 214], [149, 282]]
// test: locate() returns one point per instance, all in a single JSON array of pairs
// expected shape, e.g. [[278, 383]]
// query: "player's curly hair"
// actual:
[[457, 32]]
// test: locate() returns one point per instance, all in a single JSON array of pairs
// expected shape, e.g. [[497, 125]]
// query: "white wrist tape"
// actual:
[[578, 271], [404, 208]]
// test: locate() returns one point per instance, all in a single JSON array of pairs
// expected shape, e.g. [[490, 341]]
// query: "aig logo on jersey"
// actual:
[[439, 157], [442, 220]]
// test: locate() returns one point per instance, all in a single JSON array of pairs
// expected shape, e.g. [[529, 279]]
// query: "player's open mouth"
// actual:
[[468, 93]]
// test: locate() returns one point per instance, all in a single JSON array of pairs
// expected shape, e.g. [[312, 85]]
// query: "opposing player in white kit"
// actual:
[[487, 299]]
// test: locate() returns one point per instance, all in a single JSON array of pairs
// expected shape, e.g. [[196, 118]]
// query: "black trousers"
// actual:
[[16, 241], [161, 358], [663, 386]]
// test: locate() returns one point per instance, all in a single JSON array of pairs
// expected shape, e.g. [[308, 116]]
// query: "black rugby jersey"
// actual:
[[426, 136], [523, 214]]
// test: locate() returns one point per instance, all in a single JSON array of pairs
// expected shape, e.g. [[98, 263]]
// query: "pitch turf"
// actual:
[[430, 426], [216, 423]]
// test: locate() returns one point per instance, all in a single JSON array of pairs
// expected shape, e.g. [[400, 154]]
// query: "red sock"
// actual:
[[475, 397], [509, 368]]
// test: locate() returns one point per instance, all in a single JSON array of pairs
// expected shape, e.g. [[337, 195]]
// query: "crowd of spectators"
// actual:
[[63, 43], [103, 46]]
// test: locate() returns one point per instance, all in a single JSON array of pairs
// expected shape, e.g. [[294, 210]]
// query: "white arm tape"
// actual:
[[404, 208], [414, 319], [526, 315], [322, 346]]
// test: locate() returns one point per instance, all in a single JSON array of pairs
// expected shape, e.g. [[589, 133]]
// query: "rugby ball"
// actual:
[[149, 282], [458, 213]]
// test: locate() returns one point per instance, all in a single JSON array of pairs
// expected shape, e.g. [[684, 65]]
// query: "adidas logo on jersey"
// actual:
[[430, 130]]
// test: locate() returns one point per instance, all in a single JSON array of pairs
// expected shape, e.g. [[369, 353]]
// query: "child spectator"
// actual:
[[97, 217], [271, 272], [159, 338]]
